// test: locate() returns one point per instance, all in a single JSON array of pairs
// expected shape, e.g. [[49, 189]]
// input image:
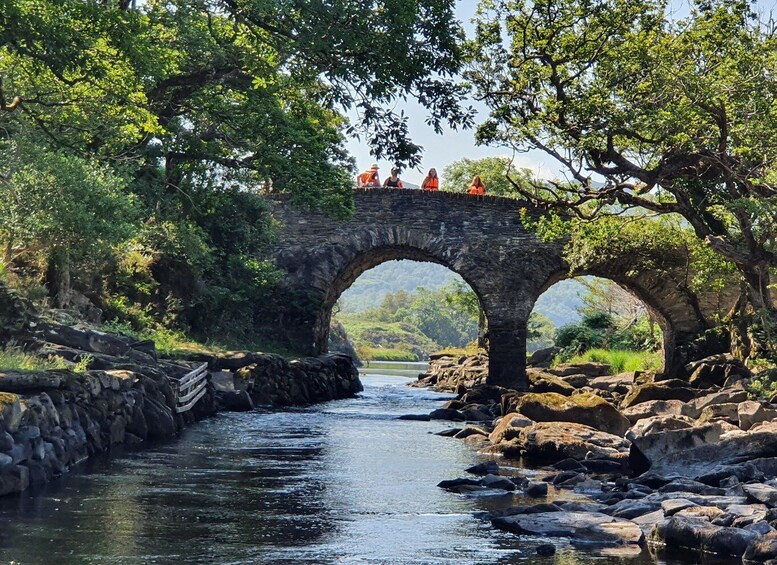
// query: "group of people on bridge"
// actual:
[[371, 179]]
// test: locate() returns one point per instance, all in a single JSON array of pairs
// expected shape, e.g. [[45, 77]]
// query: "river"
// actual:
[[342, 482]]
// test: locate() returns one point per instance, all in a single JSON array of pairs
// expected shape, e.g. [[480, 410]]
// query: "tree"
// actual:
[[493, 171], [61, 205], [675, 117]]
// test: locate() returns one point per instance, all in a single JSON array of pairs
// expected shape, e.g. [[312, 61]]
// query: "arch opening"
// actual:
[[400, 304], [589, 318]]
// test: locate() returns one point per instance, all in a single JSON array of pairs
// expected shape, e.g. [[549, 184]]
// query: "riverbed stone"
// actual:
[[586, 408], [587, 527], [660, 423], [762, 549], [655, 391], [694, 452], [561, 440], [762, 493], [509, 426], [699, 534], [751, 412]]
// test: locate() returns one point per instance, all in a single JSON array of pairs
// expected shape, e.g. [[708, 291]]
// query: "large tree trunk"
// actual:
[[754, 319], [58, 277]]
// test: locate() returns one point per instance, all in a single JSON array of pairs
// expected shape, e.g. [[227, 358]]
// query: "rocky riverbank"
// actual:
[[686, 463], [116, 391]]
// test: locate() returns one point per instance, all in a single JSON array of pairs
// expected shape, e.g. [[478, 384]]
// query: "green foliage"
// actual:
[[621, 360], [55, 201], [493, 171], [763, 385]]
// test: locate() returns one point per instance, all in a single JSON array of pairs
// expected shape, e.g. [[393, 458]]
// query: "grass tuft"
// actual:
[[621, 360]]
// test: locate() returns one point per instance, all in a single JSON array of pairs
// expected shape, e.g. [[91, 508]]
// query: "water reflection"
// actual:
[[344, 482]]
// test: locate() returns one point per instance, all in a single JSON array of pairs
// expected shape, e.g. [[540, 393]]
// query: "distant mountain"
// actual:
[[559, 303]]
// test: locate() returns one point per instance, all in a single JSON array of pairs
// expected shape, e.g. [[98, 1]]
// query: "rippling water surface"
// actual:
[[341, 482]]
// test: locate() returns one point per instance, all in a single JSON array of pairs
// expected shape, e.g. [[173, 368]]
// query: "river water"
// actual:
[[342, 482]]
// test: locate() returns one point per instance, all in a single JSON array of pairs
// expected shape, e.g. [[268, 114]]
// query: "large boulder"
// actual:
[[699, 534], [584, 408], [562, 440], [750, 413], [661, 423], [654, 408], [583, 527], [698, 451], [540, 381], [656, 391], [509, 427]]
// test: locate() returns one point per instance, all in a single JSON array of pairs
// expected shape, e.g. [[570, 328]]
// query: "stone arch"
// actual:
[[663, 292], [369, 249], [643, 295]]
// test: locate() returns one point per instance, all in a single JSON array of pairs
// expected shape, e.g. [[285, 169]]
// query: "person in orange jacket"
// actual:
[[431, 181], [369, 178], [393, 181], [477, 187]]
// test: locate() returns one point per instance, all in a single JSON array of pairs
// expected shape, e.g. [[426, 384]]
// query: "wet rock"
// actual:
[[235, 401], [497, 482], [415, 417], [698, 534], [159, 418], [629, 509], [588, 527], [485, 468], [450, 432], [602, 465], [536, 489], [471, 431], [546, 549], [453, 483], [588, 409], [569, 465], [446, 414]]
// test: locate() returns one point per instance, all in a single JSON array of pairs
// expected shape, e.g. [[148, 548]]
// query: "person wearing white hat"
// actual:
[[369, 178]]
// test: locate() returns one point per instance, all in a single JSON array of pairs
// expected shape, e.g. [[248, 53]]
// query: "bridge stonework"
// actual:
[[480, 238]]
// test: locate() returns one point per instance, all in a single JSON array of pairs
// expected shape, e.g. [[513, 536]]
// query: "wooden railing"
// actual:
[[191, 387]]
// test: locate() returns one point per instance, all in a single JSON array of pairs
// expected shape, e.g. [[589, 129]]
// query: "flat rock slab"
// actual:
[[583, 527], [764, 494]]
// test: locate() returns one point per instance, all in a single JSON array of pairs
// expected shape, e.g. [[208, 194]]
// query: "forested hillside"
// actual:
[[559, 303]]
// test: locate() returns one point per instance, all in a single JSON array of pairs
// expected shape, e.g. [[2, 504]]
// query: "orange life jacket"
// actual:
[[476, 190], [366, 178], [432, 183]]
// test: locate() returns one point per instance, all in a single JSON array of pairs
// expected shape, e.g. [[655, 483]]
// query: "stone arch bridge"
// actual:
[[480, 238]]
